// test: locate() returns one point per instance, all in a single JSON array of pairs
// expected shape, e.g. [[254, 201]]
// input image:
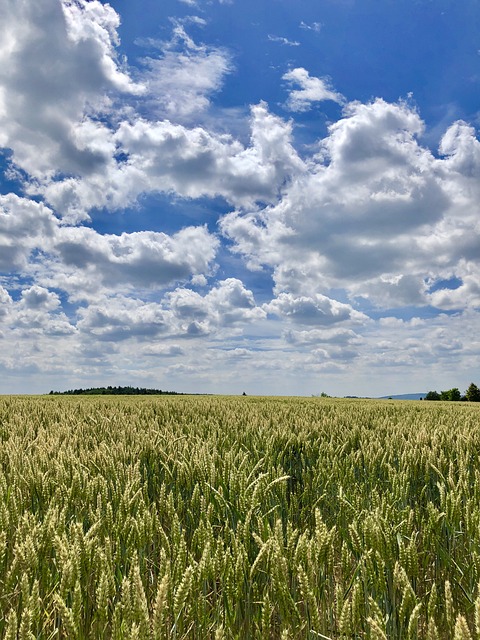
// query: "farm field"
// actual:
[[222, 517]]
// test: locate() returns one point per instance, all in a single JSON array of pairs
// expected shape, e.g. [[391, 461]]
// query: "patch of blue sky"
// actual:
[[409, 313], [427, 50], [162, 213], [449, 283], [10, 177]]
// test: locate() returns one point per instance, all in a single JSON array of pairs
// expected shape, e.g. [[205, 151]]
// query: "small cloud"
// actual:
[[284, 41], [185, 75], [314, 26], [40, 298], [311, 90], [166, 351]]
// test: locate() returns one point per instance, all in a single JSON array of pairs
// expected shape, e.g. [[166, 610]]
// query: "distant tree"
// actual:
[[473, 393], [432, 395], [453, 395]]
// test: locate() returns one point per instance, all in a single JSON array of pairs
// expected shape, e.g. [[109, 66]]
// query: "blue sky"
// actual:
[[224, 196]]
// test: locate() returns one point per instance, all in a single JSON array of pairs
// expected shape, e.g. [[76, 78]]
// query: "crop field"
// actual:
[[208, 517]]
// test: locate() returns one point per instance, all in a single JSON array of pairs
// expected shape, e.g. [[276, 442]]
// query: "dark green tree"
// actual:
[[432, 395], [453, 395], [473, 393]]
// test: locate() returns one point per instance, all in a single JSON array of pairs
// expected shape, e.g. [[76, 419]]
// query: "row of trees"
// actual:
[[114, 391], [472, 394]]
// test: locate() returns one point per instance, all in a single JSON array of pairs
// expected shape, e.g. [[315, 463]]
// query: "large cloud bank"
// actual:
[[366, 222]]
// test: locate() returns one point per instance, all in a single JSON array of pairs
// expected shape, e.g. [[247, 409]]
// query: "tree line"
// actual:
[[114, 391], [472, 394]]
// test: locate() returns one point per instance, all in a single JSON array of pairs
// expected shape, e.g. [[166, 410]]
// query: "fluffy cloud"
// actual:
[[96, 152], [143, 259], [311, 90], [367, 217], [316, 310], [83, 262], [322, 336], [226, 304], [49, 85], [25, 225], [184, 313], [37, 313], [190, 162], [38, 298], [181, 81], [377, 214]]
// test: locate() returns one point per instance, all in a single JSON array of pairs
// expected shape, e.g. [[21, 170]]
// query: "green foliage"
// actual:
[[114, 391], [202, 517], [453, 395], [473, 393]]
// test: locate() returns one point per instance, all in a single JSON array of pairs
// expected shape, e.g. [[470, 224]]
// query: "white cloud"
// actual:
[[322, 336], [96, 151], [57, 65], [227, 304], [24, 226], [36, 316], [316, 310], [163, 350], [38, 298], [377, 214], [190, 162], [467, 295], [311, 90], [314, 26], [182, 314], [142, 260], [284, 41], [119, 318], [83, 262], [181, 81]]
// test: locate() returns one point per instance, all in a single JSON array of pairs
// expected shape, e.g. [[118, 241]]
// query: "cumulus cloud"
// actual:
[[83, 262], [311, 90], [227, 304], [96, 149], [377, 214], [36, 313], [315, 310], [309, 337], [183, 313], [190, 162], [25, 225], [39, 298], [51, 84], [142, 259], [466, 295], [120, 318]]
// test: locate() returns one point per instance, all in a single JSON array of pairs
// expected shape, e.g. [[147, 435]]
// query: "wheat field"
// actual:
[[210, 517]]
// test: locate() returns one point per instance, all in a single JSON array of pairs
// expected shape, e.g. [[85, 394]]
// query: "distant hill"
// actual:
[[405, 396]]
